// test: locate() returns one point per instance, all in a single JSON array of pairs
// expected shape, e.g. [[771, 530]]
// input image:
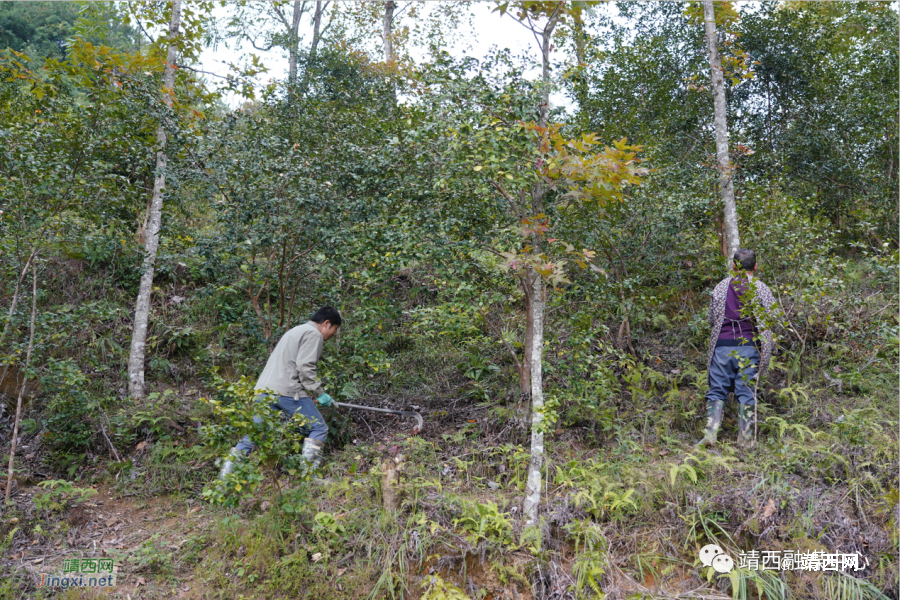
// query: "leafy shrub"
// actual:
[[485, 522], [597, 494], [436, 588], [74, 416], [60, 495], [114, 251], [276, 438]]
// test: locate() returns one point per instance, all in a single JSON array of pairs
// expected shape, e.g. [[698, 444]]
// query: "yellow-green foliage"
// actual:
[[596, 493], [436, 588]]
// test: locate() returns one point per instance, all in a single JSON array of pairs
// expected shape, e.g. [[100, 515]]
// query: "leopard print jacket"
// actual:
[[716, 317]]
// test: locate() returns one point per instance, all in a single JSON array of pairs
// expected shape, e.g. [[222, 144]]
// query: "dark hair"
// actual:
[[745, 258], [327, 313]]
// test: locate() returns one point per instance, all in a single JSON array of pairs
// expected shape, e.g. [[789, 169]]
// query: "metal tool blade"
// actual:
[[420, 422]]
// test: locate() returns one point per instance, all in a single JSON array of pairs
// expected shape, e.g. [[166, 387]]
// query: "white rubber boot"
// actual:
[[312, 452], [228, 465]]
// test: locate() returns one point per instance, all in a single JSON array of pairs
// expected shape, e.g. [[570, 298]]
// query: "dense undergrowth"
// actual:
[[629, 503]]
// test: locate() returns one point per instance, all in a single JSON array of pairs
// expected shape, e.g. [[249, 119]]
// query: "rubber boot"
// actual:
[[715, 411], [228, 465], [745, 426], [312, 452]]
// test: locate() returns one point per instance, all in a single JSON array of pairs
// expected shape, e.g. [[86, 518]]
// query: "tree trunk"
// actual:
[[15, 434], [386, 31], [389, 57], [390, 484], [536, 301], [581, 84], [12, 307], [732, 235], [317, 28], [142, 305], [313, 47], [533, 487], [15, 298], [294, 44], [525, 371]]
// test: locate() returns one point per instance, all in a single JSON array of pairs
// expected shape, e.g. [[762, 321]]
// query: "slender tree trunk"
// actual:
[[12, 306], [142, 305], [525, 372], [389, 57], [581, 84], [387, 36], [294, 44], [732, 236], [15, 434], [313, 48], [533, 487], [317, 28], [15, 298], [386, 31]]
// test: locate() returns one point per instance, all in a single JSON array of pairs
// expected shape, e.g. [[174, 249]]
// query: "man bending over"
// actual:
[[291, 373]]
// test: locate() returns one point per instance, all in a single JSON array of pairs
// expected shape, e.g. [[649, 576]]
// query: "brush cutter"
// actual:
[[403, 413]]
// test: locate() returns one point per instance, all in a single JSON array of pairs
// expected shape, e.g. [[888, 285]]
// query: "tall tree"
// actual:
[[252, 22], [580, 82], [321, 7], [543, 33], [824, 115], [723, 160], [534, 170], [151, 232]]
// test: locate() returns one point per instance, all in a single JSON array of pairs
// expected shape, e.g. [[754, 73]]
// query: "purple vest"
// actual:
[[735, 326]]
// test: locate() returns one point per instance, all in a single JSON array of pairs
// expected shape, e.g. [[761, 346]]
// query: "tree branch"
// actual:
[[280, 15], [505, 194], [502, 339]]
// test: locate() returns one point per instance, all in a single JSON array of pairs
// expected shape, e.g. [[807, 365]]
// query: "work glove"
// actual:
[[324, 400]]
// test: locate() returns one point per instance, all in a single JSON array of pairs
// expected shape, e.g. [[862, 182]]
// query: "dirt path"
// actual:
[[142, 536]]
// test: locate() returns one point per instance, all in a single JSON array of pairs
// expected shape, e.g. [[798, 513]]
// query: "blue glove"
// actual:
[[324, 400]]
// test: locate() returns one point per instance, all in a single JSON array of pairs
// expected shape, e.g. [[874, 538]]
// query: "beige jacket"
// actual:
[[291, 369]]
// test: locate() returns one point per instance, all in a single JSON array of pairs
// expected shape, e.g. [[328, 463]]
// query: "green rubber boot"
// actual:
[[715, 411], [745, 426]]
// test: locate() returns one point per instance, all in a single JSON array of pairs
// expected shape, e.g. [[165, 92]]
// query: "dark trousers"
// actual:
[[725, 373], [318, 430]]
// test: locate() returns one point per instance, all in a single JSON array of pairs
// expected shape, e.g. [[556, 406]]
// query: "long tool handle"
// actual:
[[403, 413]]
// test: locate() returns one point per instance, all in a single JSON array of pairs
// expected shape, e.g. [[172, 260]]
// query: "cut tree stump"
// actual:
[[390, 483]]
